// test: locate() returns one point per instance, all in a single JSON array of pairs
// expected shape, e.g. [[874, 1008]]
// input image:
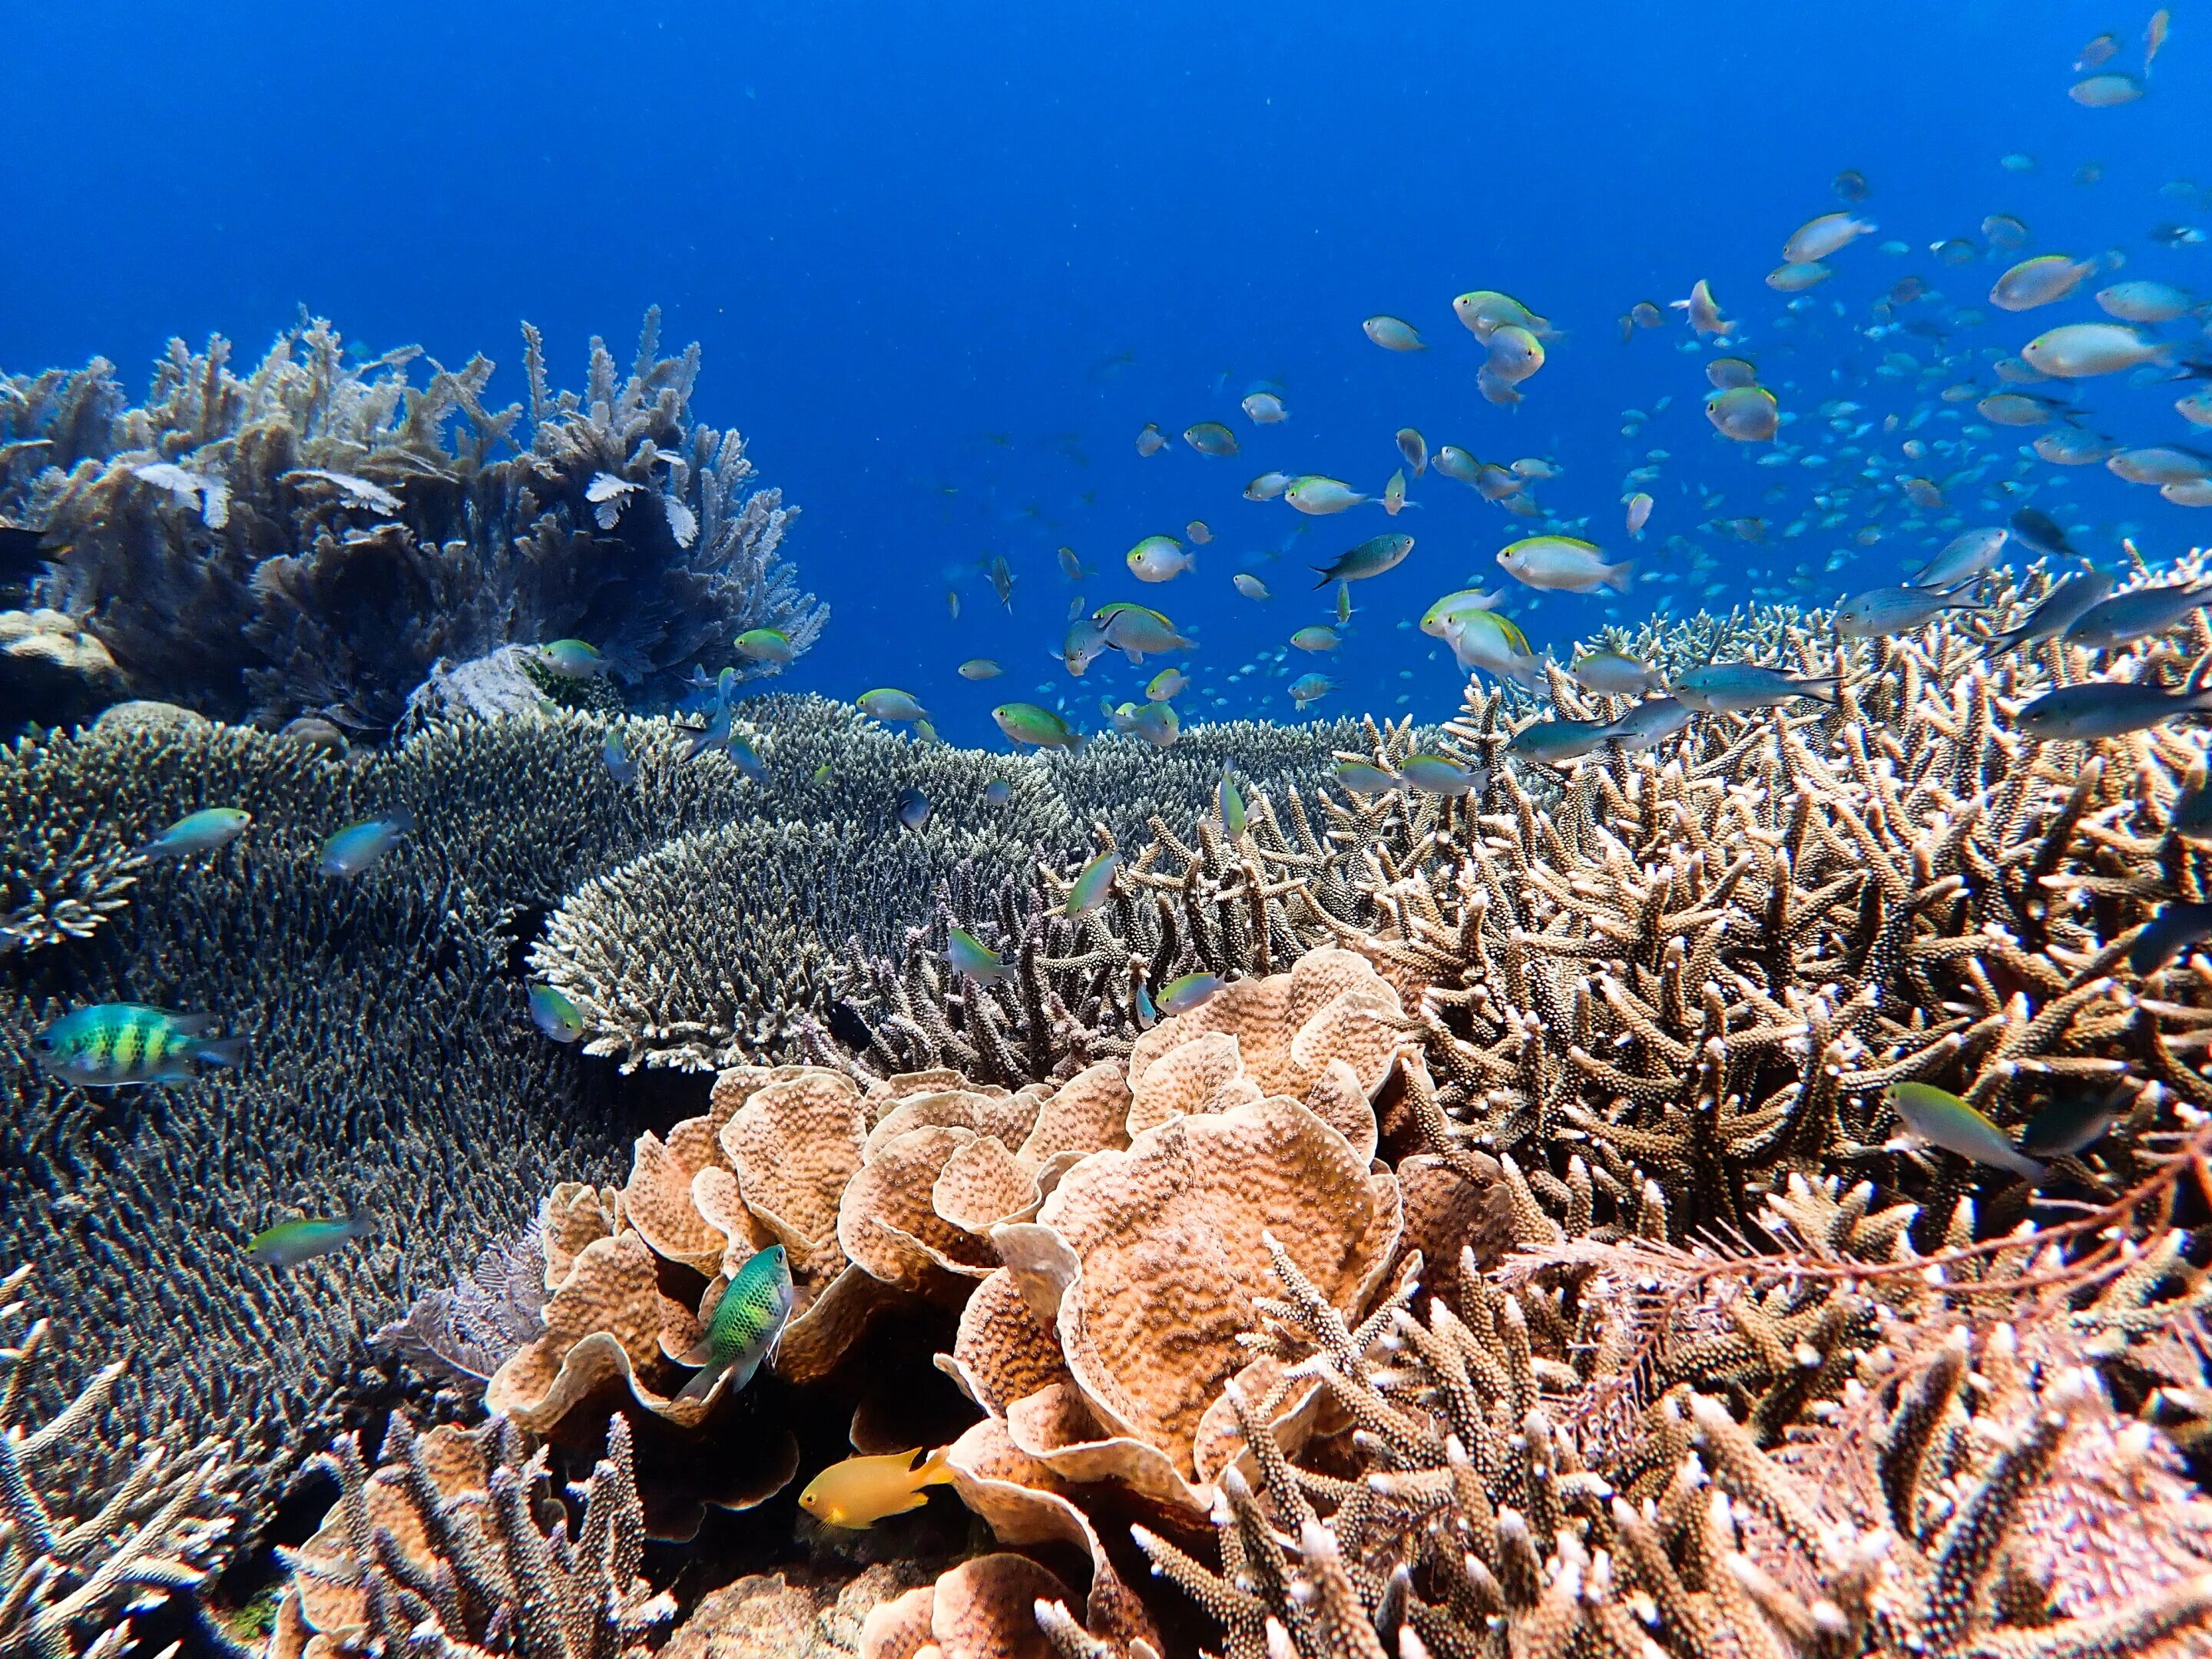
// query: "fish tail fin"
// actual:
[[703, 1384], [933, 1470], [1324, 571], [221, 1051], [1821, 689], [1618, 577]]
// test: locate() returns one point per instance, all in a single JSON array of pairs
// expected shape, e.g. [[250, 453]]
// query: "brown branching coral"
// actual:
[[1697, 968], [315, 534], [1250, 903], [157, 1526], [442, 1549], [1993, 1504]]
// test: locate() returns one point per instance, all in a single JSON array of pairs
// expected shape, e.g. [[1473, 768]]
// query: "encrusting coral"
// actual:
[[317, 534], [79, 1557]]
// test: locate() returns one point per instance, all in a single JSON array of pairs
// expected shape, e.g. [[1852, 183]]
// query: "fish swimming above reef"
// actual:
[[1610, 674], [2091, 710], [291, 1244], [614, 756], [1039, 728], [2069, 597], [2137, 614], [1179, 996], [1881, 611], [112, 1045], [1093, 886], [1370, 558], [208, 830], [747, 1323], [573, 659], [553, 1011], [1440, 774], [966, 954], [859, 1491], [1159, 559], [1732, 688], [2175, 928], [1394, 334], [1556, 742], [1314, 494], [1565, 564], [768, 645], [359, 847], [889, 704]]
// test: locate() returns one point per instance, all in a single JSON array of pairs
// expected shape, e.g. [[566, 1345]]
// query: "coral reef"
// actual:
[[51, 670], [1520, 1253], [443, 1548], [84, 1549], [318, 535]]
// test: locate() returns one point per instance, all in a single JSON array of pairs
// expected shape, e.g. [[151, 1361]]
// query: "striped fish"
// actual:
[[113, 1044]]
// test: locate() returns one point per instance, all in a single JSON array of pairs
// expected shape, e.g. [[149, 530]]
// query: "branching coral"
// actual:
[[1226, 904], [351, 530], [1696, 969], [442, 1550], [76, 1559]]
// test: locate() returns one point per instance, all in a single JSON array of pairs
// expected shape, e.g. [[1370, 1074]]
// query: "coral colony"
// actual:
[[1599, 1177]]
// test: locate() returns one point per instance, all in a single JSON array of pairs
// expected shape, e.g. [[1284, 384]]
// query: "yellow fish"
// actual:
[[861, 1491]]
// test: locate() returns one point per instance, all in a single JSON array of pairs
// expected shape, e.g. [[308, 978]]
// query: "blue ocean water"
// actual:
[[946, 261]]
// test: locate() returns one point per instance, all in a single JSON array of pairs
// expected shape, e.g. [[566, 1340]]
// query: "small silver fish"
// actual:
[[1881, 611], [2112, 709], [2137, 613]]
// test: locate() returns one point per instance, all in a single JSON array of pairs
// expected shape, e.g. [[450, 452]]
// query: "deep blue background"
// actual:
[[912, 236]]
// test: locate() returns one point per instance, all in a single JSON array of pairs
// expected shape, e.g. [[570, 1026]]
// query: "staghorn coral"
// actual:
[[1698, 969], [1995, 1507], [78, 1558], [352, 530], [1225, 905], [443, 1548]]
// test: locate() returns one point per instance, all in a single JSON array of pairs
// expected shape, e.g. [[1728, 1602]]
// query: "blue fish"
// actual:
[[621, 765], [361, 846]]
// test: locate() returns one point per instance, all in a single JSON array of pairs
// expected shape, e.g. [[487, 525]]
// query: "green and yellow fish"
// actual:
[[288, 1243], [1024, 722], [111, 1044], [745, 1325], [1095, 885], [770, 645]]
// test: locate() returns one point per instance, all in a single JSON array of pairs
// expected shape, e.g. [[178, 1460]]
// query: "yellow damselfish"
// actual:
[[861, 1491]]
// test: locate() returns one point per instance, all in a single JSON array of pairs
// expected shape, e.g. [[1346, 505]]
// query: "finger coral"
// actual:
[[77, 1559], [443, 1548], [317, 533]]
